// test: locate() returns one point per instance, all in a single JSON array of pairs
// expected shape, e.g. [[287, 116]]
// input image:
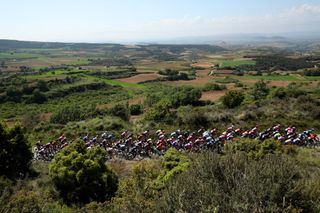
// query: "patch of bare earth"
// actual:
[[105, 106], [136, 100], [135, 118], [45, 116], [140, 78], [121, 167], [202, 64], [10, 123], [248, 80], [124, 167], [212, 95]]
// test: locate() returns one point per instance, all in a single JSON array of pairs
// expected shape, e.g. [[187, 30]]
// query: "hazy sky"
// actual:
[[145, 20]]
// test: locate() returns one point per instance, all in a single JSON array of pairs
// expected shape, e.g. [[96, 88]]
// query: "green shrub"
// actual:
[[193, 118], [232, 99], [227, 80], [168, 72], [15, 153], [23, 201], [311, 72], [81, 175], [254, 148], [13, 94], [184, 96], [160, 112], [280, 93], [137, 192], [67, 114], [42, 86], [214, 87], [136, 109], [120, 110], [173, 163], [260, 90], [38, 97]]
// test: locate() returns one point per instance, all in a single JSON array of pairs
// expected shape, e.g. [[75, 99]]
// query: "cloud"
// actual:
[[304, 9], [305, 17]]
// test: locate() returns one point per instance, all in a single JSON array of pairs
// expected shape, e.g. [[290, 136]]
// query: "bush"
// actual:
[[136, 109], [232, 99], [13, 94], [38, 97], [168, 72], [184, 96], [213, 87], [120, 110], [67, 114], [160, 112], [81, 175], [23, 201], [15, 153], [255, 149], [42, 86], [280, 93], [227, 80], [137, 192], [260, 90], [193, 118], [173, 163], [310, 72], [234, 183]]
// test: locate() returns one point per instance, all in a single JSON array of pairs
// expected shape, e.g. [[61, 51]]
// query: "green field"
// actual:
[[312, 78], [236, 62], [6, 55], [160, 65], [118, 83], [79, 62]]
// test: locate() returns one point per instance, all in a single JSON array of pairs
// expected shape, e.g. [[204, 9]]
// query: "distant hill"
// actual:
[[246, 39], [173, 48], [15, 44]]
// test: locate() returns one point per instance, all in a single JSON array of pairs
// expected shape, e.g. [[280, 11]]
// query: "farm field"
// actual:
[[235, 63]]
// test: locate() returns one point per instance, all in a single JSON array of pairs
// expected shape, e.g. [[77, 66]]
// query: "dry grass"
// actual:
[[121, 167]]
